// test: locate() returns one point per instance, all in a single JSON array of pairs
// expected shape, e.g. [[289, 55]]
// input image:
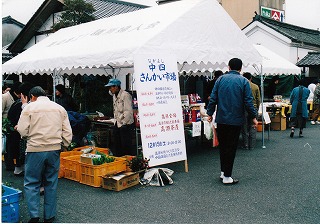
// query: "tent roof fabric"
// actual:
[[273, 64], [200, 34], [311, 59]]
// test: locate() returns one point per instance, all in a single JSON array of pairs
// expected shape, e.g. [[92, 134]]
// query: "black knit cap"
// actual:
[[25, 88], [61, 88]]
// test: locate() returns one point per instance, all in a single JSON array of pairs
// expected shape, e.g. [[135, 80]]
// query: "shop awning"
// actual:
[[200, 33]]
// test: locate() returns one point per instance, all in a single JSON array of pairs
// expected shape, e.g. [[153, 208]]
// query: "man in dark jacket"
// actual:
[[232, 96], [65, 99]]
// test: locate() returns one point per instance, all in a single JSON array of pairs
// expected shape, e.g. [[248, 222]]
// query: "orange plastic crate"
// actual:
[[92, 174], [72, 167], [62, 165], [102, 150]]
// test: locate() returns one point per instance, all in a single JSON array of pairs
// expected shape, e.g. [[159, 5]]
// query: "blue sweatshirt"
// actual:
[[232, 95]]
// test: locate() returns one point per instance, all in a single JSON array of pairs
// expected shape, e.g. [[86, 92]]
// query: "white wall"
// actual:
[[45, 27], [276, 42], [298, 53], [273, 43]]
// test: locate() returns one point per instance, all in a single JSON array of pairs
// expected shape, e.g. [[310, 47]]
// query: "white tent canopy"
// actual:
[[273, 64], [200, 33]]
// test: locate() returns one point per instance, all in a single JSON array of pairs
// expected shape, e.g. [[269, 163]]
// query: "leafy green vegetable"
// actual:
[[72, 146], [103, 159]]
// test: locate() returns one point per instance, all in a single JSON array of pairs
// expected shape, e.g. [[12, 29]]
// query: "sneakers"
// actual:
[[229, 181], [313, 122], [18, 171], [317, 122]]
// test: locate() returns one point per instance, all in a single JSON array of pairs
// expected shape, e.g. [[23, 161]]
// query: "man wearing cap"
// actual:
[[123, 114]]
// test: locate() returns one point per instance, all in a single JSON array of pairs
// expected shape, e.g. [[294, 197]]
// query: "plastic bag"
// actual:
[[157, 177], [207, 129], [4, 143]]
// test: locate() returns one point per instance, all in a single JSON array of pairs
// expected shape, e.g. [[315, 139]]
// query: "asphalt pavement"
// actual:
[[277, 184]]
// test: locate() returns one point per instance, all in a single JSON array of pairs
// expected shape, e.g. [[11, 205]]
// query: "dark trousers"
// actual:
[[249, 133], [123, 140], [14, 151], [228, 136]]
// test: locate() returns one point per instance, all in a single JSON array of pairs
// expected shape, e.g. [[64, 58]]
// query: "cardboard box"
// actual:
[[276, 118], [121, 181], [279, 126]]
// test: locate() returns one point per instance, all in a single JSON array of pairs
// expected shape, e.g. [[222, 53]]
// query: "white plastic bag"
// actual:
[[207, 129], [4, 143]]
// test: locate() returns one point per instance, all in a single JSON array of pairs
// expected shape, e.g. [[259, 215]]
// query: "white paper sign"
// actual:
[[196, 129], [160, 111], [266, 116]]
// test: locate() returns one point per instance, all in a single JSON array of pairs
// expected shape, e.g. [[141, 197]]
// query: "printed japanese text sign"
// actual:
[[274, 14], [160, 111]]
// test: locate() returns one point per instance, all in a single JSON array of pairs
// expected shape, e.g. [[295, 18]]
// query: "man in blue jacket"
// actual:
[[232, 95]]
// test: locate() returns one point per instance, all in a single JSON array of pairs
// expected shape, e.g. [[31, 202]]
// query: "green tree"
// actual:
[[75, 12]]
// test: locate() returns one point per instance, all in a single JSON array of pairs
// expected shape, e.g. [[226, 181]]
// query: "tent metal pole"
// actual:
[[54, 85], [262, 98]]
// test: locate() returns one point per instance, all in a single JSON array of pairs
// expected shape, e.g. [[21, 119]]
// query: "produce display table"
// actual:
[[277, 112], [103, 132]]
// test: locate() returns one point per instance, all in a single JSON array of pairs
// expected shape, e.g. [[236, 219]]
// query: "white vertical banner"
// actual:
[[160, 110]]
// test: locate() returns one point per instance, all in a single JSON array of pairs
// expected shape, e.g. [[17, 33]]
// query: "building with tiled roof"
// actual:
[[10, 30], [312, 61], [289, 41], [297, 34], [39, 26]]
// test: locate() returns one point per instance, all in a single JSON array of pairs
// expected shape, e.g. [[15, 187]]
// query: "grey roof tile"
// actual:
[[296, 33], [312, 58], [108, 8]]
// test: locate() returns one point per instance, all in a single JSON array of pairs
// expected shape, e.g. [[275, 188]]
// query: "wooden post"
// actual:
[[186, 169]]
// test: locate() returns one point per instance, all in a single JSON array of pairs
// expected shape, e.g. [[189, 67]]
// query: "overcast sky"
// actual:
[[305, 13]]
